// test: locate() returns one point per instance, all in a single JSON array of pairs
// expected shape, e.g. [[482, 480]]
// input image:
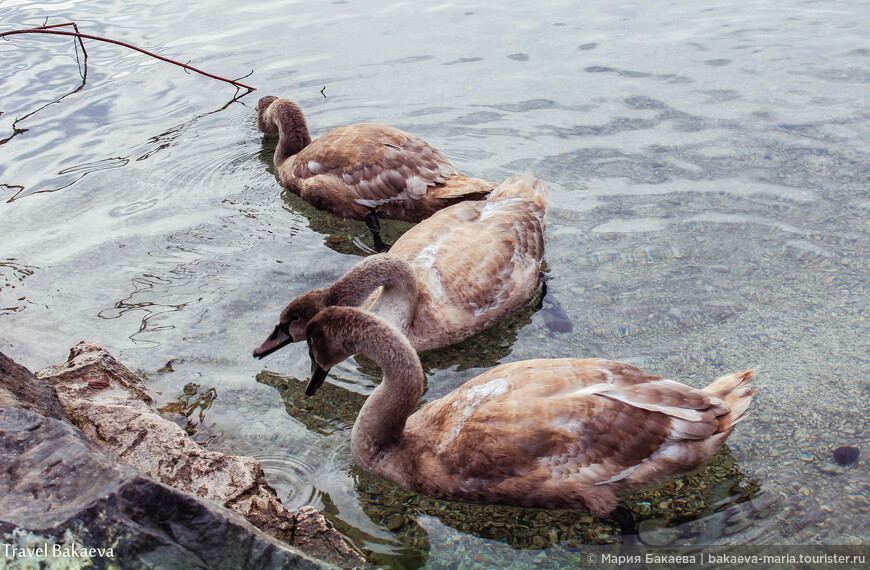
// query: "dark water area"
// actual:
[[709, 167]]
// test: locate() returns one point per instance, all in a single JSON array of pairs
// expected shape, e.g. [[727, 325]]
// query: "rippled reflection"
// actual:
[[70, 175], [189, 409], [335, 411]]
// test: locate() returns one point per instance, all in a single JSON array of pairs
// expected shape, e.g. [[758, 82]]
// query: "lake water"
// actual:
[[709, 164]]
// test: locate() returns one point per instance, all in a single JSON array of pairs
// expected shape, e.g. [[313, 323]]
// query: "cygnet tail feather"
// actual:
[[736, 394], [523, 186]]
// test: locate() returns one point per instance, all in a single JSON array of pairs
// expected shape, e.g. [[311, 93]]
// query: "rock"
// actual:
[[19, 388], [846, 455], [831, 469], [316, 536], [84, 507], [109, 404], [395, 522]]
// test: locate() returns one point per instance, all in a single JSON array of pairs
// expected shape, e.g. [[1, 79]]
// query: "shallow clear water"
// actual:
[[710, 180]]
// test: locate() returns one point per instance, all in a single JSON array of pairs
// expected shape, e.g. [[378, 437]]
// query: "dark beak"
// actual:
[[318, 375], [279, 337]]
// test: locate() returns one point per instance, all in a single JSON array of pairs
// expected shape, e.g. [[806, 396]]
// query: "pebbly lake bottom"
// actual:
[[692, 515], [640, 297], [786, 488]]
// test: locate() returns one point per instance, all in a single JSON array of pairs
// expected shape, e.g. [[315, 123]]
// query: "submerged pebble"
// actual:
[[831, 469], [846, 455], [395, 522], [655, 532]]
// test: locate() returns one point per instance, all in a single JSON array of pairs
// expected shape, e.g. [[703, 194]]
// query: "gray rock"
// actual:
[[19, 388], [59, 490], [109, 404], [831, 469], [316, 536]]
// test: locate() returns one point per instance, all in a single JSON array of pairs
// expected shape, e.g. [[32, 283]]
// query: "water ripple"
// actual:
[[289, 472]]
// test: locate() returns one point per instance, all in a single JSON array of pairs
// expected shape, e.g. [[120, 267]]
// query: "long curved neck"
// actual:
[[381, 420], [293, 133], [397, 302]]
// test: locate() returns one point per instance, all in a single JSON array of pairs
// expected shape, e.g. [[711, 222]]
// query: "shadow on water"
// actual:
[[693, 509], [188, 411], [335, 407], [349, 237], [696, 509]]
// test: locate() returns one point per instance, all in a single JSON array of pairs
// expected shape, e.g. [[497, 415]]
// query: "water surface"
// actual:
[[709, 170]]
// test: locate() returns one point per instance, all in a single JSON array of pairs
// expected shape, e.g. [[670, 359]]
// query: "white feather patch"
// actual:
[[682, 413], [586, 391], [375, 203], [416, 187], [621, 475], [473, 398], [426, 260]]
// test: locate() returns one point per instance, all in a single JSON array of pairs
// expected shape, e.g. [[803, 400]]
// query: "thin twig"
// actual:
[[161, 141], [17, 187], [77, 34]]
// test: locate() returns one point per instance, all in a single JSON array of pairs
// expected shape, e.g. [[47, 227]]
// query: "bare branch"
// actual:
[[241, 88], [73, 24]]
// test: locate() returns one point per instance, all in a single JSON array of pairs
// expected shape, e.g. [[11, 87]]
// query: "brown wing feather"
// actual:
[[375, 162], [475, 262], [488, 433], [554, 425]]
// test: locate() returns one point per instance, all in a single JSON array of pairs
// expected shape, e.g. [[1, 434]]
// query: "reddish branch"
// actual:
[[80, 36]]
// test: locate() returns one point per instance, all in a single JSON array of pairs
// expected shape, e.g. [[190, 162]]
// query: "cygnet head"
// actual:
[[293, 321], [331, 335], [269, 127], [283, 118]]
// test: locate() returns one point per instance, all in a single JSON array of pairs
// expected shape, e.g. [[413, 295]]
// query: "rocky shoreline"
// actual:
[[88, 466]]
